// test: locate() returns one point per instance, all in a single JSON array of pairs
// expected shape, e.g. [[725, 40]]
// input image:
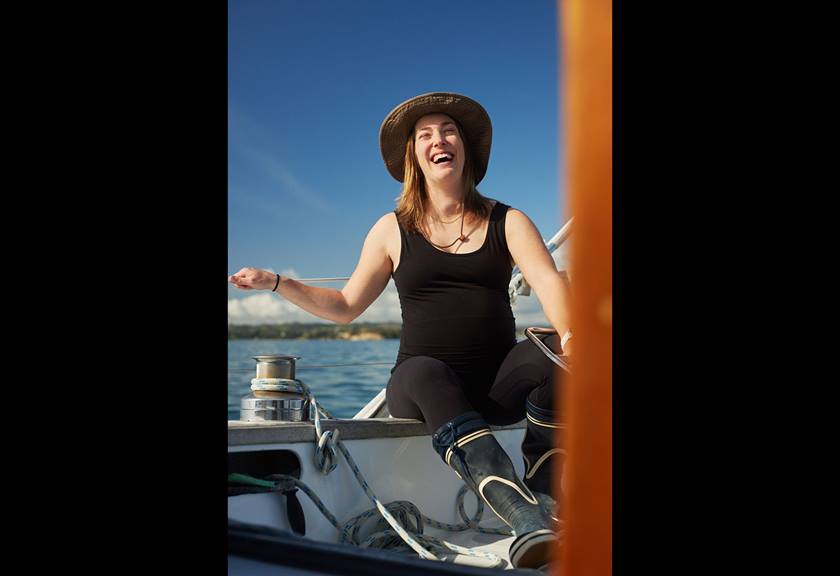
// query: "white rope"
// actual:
[[336, 279], [325, 460]]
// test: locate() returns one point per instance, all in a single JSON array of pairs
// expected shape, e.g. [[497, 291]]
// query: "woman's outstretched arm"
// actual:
[[340, 306]]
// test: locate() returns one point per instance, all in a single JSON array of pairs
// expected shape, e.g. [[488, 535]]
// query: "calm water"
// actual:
[[342, 390]]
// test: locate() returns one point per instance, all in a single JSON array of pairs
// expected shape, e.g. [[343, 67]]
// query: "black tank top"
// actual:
[[456, 307]]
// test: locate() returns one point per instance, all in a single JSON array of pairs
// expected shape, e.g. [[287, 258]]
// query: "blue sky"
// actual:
[[309, 83]]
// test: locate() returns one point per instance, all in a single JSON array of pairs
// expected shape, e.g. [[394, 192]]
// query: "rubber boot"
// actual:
[[468, 446], [540, 449]]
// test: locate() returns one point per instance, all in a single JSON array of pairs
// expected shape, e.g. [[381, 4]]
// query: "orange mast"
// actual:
[[586, 70]]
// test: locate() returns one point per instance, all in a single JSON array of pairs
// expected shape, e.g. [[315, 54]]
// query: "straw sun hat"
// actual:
[[398, 124]]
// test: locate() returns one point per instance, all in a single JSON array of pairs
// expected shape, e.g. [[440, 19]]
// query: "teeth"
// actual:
[[440, 157]]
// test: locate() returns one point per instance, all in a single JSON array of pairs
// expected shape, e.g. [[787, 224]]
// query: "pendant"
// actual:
[[462, 238]]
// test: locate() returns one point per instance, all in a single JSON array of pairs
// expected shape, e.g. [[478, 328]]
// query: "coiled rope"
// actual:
[[410, 531], [410, 522]]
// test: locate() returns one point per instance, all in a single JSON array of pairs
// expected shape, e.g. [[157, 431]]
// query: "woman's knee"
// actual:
[[529, 362], [537, 356], [425, 369], [427, 389], [400, 403], [416, 376]]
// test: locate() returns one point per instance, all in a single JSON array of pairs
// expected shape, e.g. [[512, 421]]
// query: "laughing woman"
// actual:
[[450, 252]]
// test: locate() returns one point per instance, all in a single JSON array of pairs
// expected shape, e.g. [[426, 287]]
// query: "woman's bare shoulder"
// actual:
[[387, 221], [516, 214], [385, 228]]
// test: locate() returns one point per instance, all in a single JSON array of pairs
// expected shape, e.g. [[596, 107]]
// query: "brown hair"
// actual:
[[411, 204]]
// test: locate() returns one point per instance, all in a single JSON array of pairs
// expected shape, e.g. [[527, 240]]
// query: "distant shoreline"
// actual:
[[320, 331], [315, 331]]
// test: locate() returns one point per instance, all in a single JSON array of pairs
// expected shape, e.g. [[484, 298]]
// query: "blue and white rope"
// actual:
[[325, 454], [325, 461]]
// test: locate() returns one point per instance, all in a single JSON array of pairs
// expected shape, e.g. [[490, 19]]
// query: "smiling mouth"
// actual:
[[442, 159]]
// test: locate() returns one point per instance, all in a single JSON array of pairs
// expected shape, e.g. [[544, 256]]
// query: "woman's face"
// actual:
[[439, 148]]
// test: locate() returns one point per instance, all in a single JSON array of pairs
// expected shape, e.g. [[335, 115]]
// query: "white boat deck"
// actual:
[[396, 458]]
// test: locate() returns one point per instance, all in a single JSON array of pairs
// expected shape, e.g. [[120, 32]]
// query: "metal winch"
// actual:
[[275, 393]]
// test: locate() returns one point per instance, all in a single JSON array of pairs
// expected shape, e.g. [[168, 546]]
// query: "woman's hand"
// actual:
[[253, 279]]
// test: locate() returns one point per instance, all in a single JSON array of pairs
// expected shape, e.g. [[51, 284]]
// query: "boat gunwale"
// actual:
[[242, 433]]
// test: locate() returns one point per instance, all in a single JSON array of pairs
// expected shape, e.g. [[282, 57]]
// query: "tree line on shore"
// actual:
[[315, 331]]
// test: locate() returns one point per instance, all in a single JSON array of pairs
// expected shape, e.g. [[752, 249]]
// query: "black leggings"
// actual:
[[426, 389]]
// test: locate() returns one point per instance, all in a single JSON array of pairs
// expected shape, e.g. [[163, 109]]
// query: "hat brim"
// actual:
[[398, 124]]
